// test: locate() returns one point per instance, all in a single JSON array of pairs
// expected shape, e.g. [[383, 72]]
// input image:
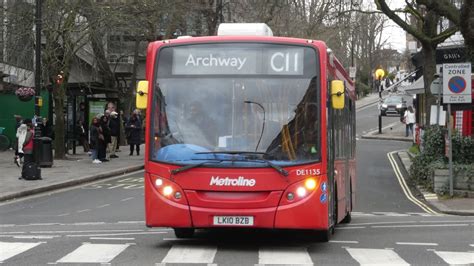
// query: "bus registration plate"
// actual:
[[233, 220]]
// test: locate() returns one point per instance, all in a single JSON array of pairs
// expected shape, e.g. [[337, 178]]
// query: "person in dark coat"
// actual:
[[114, 125], [134, 133], [94, 132], [104, 142]]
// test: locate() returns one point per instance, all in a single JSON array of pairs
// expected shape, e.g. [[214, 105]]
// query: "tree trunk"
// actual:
[[429, 70], [59, 97]]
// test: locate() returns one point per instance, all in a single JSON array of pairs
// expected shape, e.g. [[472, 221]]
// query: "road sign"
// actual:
[[457, 83], [352, 72], [436, 86]]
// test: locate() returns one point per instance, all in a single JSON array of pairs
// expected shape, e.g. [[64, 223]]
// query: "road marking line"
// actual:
[[44, 224], [11, 249], [64, 214], [49, 193], [417, 225], [375, 223], [130, 222], [284, 255], [89, 223], [344, 241], [190, 254], [85, 210], [35, 237], [456, 258], [118, 234], [404, 186], [351, 227], [94, 253], [88, 231], [112, 238], [102, 206], [416, 244], [127, 199], [366, 256]]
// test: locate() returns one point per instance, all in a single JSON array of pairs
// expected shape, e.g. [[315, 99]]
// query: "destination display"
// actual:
[[195, 60]]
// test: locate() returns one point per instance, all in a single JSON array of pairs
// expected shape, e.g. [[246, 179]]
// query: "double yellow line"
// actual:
[[404, 185]]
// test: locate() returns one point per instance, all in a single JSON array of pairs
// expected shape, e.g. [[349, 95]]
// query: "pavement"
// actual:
[[77, 169], [74, 170]]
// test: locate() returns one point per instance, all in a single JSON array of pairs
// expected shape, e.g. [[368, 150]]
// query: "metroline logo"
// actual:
[[240, 181]]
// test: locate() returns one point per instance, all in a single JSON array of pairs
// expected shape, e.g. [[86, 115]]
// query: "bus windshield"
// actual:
[[220, 116]]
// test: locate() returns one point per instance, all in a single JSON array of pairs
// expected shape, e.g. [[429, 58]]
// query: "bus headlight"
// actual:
[[299, 190], [168, 189]]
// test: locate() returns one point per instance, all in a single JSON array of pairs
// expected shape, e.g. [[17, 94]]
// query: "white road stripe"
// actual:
[[36, 236], [284, 255], [344, 241], [64, 214], [11, 249], [190, 254], [416, 244], [417, 225], [112, 238], [456, 258], [118, 234], [392, 214], [94, 253], [102, 206], [366, 256], [127, 199], [350, 227], [85, 210]]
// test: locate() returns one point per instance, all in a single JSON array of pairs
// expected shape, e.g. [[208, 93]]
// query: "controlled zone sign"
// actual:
[[457, 83]]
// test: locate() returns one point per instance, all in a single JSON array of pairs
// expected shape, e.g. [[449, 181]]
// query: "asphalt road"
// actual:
[[102, 223]]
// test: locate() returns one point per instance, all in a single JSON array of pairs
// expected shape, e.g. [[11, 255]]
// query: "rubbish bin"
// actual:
[[45, 152]]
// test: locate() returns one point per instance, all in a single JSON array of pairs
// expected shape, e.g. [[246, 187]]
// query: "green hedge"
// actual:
[[433, 156]]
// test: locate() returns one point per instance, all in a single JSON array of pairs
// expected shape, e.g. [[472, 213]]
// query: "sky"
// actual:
[[393, 33]]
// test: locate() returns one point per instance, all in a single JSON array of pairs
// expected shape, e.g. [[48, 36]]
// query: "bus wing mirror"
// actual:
[[337, 94], [142, 94]]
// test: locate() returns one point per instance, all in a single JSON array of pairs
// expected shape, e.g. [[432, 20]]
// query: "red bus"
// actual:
[[245, 130]]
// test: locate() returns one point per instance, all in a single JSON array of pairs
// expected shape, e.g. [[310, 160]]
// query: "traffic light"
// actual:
[[60, 78]]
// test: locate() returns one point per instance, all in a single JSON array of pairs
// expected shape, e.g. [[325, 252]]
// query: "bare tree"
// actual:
[[425, 31], [65, 32]]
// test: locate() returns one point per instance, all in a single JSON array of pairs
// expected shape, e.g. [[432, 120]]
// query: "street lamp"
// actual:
[[379, 74]]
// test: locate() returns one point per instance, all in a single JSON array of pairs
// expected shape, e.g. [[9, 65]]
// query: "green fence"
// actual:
[[10, 105]]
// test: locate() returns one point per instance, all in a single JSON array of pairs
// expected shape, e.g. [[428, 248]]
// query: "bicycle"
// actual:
[[4, 140]]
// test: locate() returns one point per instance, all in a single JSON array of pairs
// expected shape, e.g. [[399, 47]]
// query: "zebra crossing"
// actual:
[[206, 254]]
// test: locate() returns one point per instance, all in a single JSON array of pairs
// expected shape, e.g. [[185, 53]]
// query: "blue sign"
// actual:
[[457, 84], [324, 187], [323, 198]]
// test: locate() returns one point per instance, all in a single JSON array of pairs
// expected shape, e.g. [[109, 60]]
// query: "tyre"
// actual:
[[4, 143], [325, 235], [183, 232], [348, 217]]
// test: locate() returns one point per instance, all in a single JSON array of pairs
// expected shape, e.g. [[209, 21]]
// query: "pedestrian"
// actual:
[[18, 123], [27, 145], [21, 133], [410, 119], [114, 125], [104, 139], [82, 134], [94, 133], [134, 133]]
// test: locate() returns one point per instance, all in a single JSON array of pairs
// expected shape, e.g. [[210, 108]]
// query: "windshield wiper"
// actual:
[[278, 168], [191, 166]]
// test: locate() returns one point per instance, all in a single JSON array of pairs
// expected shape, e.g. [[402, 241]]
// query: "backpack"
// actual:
[[31, 171]]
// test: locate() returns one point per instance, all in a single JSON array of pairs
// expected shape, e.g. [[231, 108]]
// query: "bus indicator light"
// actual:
[[310, 184], [177, 195]]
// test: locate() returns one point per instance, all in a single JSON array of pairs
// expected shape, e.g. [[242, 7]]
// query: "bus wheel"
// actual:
[[183, 232], [348, 217], [326, 234]]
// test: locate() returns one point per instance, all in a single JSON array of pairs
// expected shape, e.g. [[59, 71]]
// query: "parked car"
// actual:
[[394, 105]]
